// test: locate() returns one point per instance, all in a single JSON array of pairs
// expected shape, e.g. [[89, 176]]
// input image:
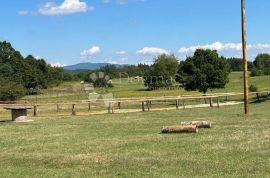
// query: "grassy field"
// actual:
[[130, 145], [124, 89]]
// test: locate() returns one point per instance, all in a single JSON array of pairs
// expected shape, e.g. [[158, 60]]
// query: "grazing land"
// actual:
[[125, 89], [129, 145]]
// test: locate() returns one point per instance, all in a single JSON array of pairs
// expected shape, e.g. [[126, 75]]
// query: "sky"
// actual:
[[65, 32]]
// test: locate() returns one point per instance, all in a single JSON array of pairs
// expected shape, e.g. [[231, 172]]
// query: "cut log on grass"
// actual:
[[180, 129], [199, 124]]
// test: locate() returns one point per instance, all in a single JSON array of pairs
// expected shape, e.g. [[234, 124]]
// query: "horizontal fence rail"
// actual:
[[145, 103]]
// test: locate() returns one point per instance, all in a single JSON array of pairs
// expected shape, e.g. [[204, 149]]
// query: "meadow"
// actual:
[[124, 88], [130, 144]]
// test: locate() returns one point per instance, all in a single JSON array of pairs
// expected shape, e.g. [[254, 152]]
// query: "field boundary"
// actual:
[[146, 103]]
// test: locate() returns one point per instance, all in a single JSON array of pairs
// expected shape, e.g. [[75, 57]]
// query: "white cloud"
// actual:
[[23, 12], [57, 64], [152, 51], [90, 52], [110, 61], [122, 2], [67, 7], [121, 52], [38, 57], [224, 47]]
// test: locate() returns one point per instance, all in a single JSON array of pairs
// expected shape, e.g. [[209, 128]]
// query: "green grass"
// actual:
[[125, 89], [130, 145]]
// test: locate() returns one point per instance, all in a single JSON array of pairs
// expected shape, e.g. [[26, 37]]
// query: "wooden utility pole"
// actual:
[[244, 46]]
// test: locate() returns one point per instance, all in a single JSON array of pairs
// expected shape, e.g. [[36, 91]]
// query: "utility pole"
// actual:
[[244, 46]]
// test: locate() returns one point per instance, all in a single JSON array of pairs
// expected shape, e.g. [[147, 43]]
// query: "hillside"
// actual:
[[88, 66]]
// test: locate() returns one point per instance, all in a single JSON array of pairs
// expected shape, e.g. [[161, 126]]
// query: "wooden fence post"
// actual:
[[73, 109], [218, 101], [35, 111], [148, 105], [57, 107], [89, 106], [177, 104], [109, 108], [211, 102], [184, 104], [258, 96], [119, 105], [143, 109]]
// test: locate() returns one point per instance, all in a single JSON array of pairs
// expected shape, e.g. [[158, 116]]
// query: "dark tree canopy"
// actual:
[[236, 64], [25, 74], [162, 72], [205, 70], [261, 65], [262, 61]]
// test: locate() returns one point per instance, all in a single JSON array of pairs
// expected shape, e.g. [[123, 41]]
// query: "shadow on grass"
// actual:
[[261, 99], [143, 89], [6, 121]]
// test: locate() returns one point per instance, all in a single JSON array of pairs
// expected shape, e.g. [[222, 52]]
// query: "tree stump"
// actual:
[[199, 124], [180, 129]]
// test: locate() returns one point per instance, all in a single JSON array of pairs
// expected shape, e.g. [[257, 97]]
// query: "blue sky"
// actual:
[[131, 31]]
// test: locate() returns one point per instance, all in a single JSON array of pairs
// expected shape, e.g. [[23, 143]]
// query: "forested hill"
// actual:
[[19, 75], [89, 66]]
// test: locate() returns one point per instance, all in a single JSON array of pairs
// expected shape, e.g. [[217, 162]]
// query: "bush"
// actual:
[[256, 72], [253, 88], [10, 91]]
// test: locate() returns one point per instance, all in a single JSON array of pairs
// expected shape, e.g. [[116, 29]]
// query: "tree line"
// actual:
[[21, 75], [204, 70]]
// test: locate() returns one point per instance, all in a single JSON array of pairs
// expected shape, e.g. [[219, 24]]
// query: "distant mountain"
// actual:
[[88, 66]]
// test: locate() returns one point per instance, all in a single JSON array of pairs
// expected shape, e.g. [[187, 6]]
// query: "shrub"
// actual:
[[10, 91], [253, 88]]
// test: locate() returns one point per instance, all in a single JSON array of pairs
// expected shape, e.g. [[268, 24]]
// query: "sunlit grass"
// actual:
[[130, 145]]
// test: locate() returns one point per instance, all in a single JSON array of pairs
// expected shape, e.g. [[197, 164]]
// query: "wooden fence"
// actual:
[[146, 103]]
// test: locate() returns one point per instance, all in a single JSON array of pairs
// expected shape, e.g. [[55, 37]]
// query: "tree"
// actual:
[[28, 73], [262, 61], [261, 65], [162, 73], [205, 70], [236, 64]]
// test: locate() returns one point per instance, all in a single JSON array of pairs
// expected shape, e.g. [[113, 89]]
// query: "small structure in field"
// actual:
[[19, 113]]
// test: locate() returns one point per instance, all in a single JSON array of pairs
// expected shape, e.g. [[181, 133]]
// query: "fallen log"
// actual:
[[199, 124], [180, 129]]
